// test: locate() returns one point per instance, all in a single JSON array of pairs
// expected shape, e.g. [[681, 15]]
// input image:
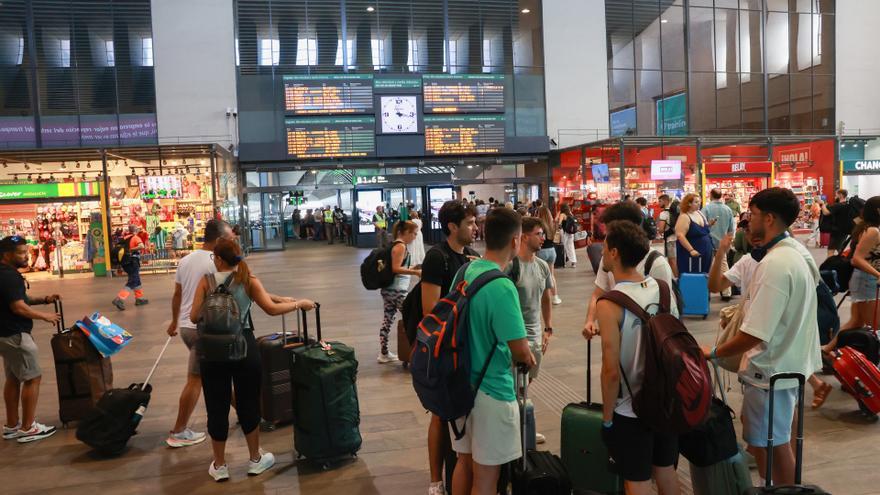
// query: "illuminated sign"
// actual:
[[328, 94], [462, 135], [739, 168], [665, 169], [334, 137], [863, 167], [466, 93]]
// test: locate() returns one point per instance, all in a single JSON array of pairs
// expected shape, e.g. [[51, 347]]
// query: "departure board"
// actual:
[[466, 93], [462, 134], [328, 94], [331, 137]]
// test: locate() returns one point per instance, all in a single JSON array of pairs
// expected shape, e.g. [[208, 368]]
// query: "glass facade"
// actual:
[[720, 66]]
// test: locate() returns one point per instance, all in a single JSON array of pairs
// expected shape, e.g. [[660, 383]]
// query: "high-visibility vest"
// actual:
[[380, 220], [328, 216]]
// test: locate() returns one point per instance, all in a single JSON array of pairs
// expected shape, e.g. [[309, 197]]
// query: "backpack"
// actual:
[[841, 265], [221, 327], [674, 213], [649, 226], [121, 251], [376, 272], [649, 263], [826, 313], [441, 360], [569, 225], [676, 387]]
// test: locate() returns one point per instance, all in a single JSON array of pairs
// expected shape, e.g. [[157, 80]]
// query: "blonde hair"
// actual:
[[687, 202], [549, 224]]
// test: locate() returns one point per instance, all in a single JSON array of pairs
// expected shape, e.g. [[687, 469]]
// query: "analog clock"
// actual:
[[399, 115]]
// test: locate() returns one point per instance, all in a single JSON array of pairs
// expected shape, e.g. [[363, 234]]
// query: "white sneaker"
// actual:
[[557, 301], [219, 473], [185, 438], [267, 460], [436, 488], [539, 438], [387, 358], [36, 432], [11, 433]]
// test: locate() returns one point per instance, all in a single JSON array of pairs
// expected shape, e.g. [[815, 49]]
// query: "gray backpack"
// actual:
[[221, 328]]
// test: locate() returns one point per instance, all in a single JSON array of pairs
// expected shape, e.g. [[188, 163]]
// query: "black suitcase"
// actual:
[[275, 399], [560, 256], [797, 488], [114, 420]]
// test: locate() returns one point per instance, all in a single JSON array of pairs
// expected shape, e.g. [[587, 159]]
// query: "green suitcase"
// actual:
[[583, 452], [326, 414]]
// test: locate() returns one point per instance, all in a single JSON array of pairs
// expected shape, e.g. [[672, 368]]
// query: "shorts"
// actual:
[[20, 358], [190, 336], [492, 432], [548, 255], [756, 413], [535, 347], [670, 248], [634, 449], [862, 287], [836, 242]]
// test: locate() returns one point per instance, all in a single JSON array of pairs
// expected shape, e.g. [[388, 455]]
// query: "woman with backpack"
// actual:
[[548, 251], [566, 221], [866, 264], [220, 376], [694, 249], [404, 233]]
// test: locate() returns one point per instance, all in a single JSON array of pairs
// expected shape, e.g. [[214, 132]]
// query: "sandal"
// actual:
[[821, 394]]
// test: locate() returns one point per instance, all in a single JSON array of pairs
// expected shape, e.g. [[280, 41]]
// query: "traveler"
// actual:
[[296, 219], [779, 332], [636, 452], [741, 242], [17, 346], [842, 216], [666, 227], [190, 272], [380, 223], [815, 213], [339, 222], [568, 223], [732, 203], [319, 224], [309, 225], [721, 220], [605, 281], [866, 261], [694, 240], [482, 210], [417, 247], [496, 336], [131, 263], [219, 378], [442, 262], [548, 250], [393, 295], [534, 285]]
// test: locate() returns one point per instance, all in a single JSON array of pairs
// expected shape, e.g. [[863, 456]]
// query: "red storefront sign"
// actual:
[[739, 168]]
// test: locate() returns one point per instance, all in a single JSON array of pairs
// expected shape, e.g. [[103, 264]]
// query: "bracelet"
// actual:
[[548, 330], [607, 424], [46, 300], [714, 354]]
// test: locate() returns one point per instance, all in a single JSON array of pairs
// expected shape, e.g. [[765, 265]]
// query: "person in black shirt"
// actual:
[[458, 222], [842, 221], [17, 346]]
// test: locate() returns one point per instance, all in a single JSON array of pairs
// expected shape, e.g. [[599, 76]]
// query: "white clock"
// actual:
[[399, 115]]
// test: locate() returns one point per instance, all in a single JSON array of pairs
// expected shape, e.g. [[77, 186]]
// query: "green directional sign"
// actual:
[[672, 115]]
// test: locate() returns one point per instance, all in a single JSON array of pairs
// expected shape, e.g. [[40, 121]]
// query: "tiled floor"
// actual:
[[842, 449]]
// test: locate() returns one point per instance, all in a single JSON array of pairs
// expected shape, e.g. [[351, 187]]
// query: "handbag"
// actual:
[[714, 440], [557, 237], [107, 337], [731, 320]]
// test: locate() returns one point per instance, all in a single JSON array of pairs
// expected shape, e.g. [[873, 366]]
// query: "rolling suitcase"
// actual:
[[82, 374], [583, 452], [594, 253], [694, 289], [798, 488], [560, 256], [114, 420], [276, 404], [856, 371], [326, 414], [404, 347]]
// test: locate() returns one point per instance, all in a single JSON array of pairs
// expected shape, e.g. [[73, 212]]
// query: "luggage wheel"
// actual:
[[325, 466], [705, 316], [267, 426], [405, 365]]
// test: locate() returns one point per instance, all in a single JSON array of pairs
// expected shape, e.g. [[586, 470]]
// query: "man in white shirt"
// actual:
[[191, 270], [779, 332], [605, 281]]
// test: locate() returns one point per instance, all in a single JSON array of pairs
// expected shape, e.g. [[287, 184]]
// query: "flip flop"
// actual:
[[820, 395]]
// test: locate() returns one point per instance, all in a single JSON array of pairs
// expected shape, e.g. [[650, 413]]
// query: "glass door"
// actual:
[[273, 228], [436, 197], [255, 221]]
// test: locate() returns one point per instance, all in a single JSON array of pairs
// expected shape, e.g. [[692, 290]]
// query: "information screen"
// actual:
[[331, 137], [328, 94], [467, 93], [461, 135]]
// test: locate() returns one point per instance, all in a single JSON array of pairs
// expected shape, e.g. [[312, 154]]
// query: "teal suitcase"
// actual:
[[728, 477], [583, 452]]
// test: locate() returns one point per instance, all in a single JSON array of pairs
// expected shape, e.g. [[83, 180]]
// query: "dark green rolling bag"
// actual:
[[583, 452], [326, 415]]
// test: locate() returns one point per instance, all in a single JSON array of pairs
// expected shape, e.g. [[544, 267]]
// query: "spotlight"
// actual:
[[78, 165], [63, 166], [164, 162], [84, 176], [29, 177], [525, 11], [184, 161], [371, 9], [27, 167], [5, 165], [88, 164]]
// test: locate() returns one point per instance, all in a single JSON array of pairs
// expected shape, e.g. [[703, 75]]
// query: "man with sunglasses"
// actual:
[[17, 346]]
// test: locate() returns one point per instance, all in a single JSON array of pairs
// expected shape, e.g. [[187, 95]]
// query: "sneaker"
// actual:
[[119, 303], [12, 433], [387, 358], [219, 473], [141, 302], [557, 301], [539, 438], [185, 438], [36, 432], [436, 488], [267, 460]]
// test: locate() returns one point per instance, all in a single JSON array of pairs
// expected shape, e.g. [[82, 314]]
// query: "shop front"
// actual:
[[739, 179], [860, 166]]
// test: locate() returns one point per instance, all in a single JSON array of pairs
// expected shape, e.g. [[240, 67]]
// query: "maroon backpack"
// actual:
[[677, 388]]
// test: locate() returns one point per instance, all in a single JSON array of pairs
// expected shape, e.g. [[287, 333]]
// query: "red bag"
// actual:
[[824, 239], [860, 377]]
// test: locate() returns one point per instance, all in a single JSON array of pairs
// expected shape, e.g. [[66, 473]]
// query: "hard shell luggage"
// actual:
[[404, 347], [83, 375], [276, 404], [114, 420], [583, 451], [594, 253], [560, 256], [326, 414], [857, 372], [694, 289], [797, 488]]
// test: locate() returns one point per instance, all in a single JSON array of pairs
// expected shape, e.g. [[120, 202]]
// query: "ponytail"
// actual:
[[230, 252]]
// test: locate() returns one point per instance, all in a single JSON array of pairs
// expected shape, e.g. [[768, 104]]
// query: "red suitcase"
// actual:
[[860, 377]]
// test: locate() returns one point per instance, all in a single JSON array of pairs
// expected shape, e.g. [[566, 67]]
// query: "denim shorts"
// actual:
[[862, 287], [548, 255], [756, 415]]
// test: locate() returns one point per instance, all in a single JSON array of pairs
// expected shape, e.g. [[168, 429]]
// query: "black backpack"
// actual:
[[376, 272], [841, 265], [649, 226], [121, 252], [221, 327], [674, 213], [826, 313], [569, 225]]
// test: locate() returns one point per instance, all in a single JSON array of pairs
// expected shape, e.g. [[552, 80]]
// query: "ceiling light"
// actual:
[[526, 11], [371, 9], [63, 166], [184, 161], [88, 164], [314, 171], [84, 176], [664, 21], [27, 167]]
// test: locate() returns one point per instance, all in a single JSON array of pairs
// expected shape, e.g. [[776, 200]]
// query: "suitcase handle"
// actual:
[[799, 454], [60, 326], [305, 324], [522, 374], [156, 364], [589, 372]]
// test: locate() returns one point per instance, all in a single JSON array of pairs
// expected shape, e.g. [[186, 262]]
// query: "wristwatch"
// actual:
[[548, 330]]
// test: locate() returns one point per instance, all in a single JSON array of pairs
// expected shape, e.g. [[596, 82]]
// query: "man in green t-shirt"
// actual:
[[492, 431]]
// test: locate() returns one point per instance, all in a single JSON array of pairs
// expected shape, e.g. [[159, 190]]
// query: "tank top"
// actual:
[[401, 282], [241, 297]]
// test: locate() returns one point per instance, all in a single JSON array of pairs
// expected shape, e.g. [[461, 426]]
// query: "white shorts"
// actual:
[[756, 415], [492, 432]]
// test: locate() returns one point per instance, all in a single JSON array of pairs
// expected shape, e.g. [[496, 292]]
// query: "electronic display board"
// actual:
[[331, 137], [328, 94], [463, 134], [466, 93]]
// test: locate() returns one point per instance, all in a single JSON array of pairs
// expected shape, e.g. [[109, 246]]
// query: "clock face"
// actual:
[[399, 115]]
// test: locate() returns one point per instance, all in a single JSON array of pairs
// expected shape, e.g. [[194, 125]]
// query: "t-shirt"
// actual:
[[482, 210], [741, 273], [493, 315], [439, 270], [842, 217], [724, 223], [632, 353], [781, 311], [660, 270], [12, 289], [190, 271], [534, 279]]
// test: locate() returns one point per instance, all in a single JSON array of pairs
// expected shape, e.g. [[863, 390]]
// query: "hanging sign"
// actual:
[[739, 168]]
